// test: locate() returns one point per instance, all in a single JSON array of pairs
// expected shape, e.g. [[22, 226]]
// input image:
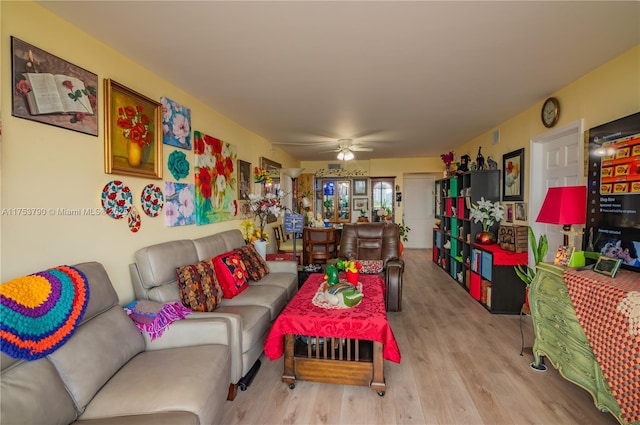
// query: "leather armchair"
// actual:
[[377, 241]]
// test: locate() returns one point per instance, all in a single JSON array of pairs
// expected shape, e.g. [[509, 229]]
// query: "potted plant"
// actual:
[[363, 216], [403, 230], [526, 273]]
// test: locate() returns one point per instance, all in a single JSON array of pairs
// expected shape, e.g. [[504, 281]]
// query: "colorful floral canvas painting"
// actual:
[[179, 209], [176, 124], [215, 179]]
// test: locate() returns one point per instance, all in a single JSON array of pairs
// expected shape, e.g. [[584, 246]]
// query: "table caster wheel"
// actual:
[[381, 393], [243, 387], [292, 386]]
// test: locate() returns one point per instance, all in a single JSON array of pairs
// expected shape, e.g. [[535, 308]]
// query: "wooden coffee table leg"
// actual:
[[377, 383], [289, 375]]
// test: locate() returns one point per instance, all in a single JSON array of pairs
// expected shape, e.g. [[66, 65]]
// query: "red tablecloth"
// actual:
[[608, 310], [502, 257], [367, 320]]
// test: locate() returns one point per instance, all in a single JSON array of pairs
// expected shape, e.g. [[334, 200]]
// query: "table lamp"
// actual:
[[565, 206]]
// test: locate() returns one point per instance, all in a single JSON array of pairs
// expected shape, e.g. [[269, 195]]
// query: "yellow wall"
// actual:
[[609, 92], [49, 167]]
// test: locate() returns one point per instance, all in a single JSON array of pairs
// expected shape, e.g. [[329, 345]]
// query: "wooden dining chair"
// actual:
[[319, 244]]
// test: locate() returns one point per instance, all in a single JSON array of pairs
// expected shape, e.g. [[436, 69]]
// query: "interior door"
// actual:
[[557, 160], [418, 210]]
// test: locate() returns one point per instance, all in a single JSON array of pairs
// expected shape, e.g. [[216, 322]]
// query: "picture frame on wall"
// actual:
[[244, 180], [133, 132], [274, 187], [360, 204], [513, 176], [52, 91], [359, 187]]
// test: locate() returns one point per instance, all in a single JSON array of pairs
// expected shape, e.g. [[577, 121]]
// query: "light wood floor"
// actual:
[[460, 365]]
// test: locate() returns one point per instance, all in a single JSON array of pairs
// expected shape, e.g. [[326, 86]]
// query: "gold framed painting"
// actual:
[[133, 132]]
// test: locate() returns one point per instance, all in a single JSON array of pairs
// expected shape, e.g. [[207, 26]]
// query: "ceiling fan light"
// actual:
[[348, 156], [340, 155]]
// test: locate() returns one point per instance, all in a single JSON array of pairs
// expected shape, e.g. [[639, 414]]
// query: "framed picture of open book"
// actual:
[[133, 132], [51, 90]]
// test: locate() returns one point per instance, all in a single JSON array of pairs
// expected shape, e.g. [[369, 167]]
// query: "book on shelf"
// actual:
[[57, 94]]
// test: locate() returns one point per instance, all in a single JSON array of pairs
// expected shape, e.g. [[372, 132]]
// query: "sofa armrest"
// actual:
[[185, 333], [283, 267], [393, 279]]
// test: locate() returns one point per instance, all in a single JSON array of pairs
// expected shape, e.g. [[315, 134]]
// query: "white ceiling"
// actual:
[[408, 79]]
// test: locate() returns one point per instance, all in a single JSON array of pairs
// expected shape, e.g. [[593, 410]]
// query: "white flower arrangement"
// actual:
[[487, 212]]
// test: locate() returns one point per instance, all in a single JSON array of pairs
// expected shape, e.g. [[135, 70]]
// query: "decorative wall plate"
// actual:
[[152, 200], [134, 220], [116, 199]]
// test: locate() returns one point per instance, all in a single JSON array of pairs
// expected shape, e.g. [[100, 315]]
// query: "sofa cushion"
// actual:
[[256, 266], [33, 393], [231, 274], [98, 349], [371, 266], [199, 287], [187, 379]]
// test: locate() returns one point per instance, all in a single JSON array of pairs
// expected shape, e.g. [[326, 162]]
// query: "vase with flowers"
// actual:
[[447, 158], [352, 270], [487, 213], [135, 125], [262, 206]]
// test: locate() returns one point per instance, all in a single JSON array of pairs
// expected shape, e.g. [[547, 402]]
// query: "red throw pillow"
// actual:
[[199, 288], [231, 274], [256, 266]]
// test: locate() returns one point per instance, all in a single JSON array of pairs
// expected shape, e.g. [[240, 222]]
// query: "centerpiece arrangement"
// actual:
[[336, 293], [262, 206], [487, 213]]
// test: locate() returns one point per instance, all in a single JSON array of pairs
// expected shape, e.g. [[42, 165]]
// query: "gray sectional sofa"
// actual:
[[109, 373], [249, 313]]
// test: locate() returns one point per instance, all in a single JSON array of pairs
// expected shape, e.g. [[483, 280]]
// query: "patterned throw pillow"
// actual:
[[371, 266], [199, 288], [231, 274], [256, 266]]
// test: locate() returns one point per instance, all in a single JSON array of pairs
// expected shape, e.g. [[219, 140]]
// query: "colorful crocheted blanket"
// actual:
[[153, 317], [40, 312]]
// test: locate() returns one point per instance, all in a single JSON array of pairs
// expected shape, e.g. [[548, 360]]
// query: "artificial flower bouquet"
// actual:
[[487, 212], [261, 175], [349, 266], [252, 233]]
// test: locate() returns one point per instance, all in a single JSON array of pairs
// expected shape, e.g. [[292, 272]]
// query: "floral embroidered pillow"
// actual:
[[256, 266], [231, 273], [199, 288], [371, 266]]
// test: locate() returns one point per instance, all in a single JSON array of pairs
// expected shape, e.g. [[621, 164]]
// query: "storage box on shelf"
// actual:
[[453, 241]]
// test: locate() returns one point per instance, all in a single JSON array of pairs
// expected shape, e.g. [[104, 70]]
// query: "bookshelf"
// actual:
[[486, 272]]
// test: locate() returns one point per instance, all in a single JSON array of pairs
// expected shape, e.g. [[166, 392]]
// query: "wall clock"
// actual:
[[550, 112]]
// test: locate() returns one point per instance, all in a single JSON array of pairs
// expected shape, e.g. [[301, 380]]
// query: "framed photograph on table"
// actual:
[[359, 187], [521, 211], [133, 132], [607, 266], [51, 90], [513, 176], [509, 211]]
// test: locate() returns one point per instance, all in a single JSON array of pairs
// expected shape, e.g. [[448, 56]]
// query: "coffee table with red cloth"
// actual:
[[345, 346]]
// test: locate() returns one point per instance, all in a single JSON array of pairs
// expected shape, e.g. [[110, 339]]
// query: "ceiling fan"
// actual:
[[346, 149]]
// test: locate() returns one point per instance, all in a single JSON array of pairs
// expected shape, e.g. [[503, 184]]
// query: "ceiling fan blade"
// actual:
[[310, 143], [356, 148]]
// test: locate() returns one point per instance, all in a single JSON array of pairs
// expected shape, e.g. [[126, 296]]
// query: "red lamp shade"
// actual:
[[564, 205]]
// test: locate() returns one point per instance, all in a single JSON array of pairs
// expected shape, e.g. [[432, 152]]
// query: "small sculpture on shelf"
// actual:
[[492, 164], [480, 159], [464, 163]]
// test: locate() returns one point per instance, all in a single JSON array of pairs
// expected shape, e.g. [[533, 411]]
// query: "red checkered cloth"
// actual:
[[609, 312]]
